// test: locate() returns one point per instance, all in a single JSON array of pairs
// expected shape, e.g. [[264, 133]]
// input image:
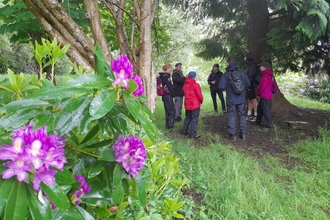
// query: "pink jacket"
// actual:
[[265, 86]]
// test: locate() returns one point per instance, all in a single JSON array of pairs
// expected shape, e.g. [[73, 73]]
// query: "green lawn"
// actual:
[[235, 186]]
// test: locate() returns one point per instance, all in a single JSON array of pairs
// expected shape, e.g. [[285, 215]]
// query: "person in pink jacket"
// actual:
[[265, 93]]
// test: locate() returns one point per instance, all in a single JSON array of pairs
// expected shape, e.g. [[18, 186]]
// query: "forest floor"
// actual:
[[274, 142]]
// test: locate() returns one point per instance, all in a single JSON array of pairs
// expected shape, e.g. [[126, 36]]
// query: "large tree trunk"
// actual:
[[257, 34]]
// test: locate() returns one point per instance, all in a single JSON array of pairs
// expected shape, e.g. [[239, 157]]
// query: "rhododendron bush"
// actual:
[[86, 150]]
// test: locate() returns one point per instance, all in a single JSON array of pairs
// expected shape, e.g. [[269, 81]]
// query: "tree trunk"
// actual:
[[257, 34], [258, 27], [57, 23], [144, 52]]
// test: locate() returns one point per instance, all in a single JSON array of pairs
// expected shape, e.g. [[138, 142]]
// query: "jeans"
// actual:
[[233, 111], [191, 119], [214, 99], [178, 100], [169, 110]]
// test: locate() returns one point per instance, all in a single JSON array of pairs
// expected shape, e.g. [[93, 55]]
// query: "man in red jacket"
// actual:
[[193, 99], [265, 93]]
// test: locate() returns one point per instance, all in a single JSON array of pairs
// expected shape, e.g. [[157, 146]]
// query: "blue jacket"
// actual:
[[232, 99]]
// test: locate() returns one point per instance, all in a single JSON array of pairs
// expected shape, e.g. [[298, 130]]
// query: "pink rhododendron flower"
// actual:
[[140, 89], [33, 152], [131, 152]]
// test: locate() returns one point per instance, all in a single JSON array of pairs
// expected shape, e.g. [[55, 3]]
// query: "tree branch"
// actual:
[[122, 9], [93, 17]]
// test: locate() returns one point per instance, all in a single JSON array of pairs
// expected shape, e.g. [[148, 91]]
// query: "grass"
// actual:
[[306, 103], [235, 186]]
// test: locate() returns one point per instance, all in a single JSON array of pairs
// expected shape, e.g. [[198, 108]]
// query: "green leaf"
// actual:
[[64, 177], [71, 115], [5, 189], [58, 92], [56, 194], [107, 155], [37, 209], [17, 119], [90, 81], [117, 195], [102, 103], [24, 104], [101, 144], [17, 205], [142, 195], [99, 61], [92, 132], [42, 119], [132, 86], [96, 168], [84, 213], [104, 212], [97, 197], [71, 214], [11, 76], [117, 175]]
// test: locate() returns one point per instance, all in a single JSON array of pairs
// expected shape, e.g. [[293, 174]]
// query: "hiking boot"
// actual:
[[248, 117], [244, 137], [224, 111], [233, 137]]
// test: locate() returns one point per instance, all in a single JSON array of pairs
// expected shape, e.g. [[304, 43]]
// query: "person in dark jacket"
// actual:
[[192, 102], [178, 80], [167, 98], [235, 103], [213, 80], [251, 72], [265, 94]]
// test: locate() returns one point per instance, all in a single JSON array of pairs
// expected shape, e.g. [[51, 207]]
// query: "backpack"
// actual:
[[274, 88], [237, 82], [161, 90]]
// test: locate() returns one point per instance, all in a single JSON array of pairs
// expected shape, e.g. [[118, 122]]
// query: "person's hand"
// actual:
[[213, 82]]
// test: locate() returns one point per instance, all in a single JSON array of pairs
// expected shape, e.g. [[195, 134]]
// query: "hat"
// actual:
[[192, 74], [178, 64], [216, 65], [265, 64]]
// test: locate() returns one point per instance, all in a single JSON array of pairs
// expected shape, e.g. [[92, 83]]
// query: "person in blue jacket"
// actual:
[[235, 103]]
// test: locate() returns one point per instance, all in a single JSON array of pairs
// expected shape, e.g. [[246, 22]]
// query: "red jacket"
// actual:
[[193, 97], [265, 86]]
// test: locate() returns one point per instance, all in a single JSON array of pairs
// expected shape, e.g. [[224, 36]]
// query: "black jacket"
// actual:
[[214, 77], [252, 71], [166, 81], [178, 82]]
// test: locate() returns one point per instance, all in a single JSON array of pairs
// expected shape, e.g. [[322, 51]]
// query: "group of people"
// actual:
[[256, 82]]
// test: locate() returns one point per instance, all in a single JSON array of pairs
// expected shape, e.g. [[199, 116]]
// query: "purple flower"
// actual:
[[140, 89], [33, 151], [123, 69], [82, 190], [17, 167], [302, 90], [131, 152], [45, 175]]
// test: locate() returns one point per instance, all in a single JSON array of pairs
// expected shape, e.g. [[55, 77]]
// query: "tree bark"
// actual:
[[258, 27], [144, 53]]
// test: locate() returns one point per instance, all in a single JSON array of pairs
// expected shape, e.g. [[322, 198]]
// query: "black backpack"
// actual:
[[237, 82]]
